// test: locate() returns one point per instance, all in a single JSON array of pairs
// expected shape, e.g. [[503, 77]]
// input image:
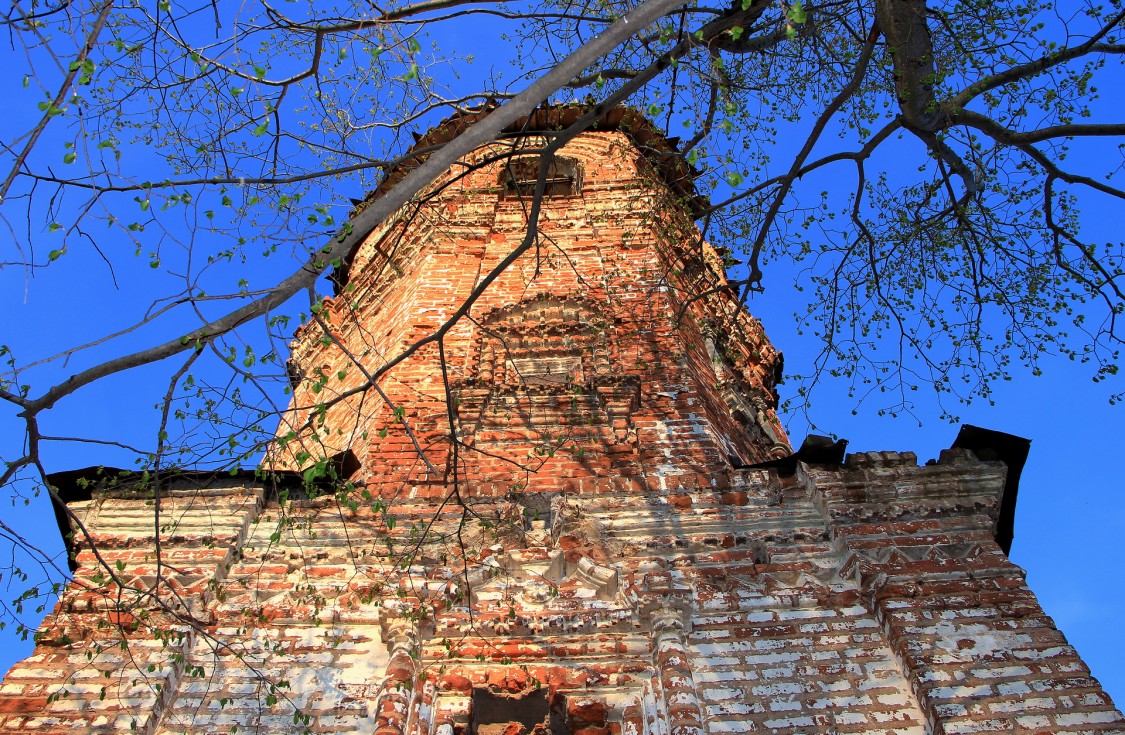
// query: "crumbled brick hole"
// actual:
[[513, 714], [563, 177]]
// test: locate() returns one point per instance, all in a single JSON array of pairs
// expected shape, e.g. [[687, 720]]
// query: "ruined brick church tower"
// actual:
[[552, 496]]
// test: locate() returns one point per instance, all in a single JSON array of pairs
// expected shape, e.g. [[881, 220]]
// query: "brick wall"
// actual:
[[977, 648]]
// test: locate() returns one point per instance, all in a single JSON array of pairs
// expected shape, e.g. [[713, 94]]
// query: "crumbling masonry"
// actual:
[[574, 513]]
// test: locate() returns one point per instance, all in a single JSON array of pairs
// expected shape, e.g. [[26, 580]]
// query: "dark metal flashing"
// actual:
[[1010, 449], [815, 450]]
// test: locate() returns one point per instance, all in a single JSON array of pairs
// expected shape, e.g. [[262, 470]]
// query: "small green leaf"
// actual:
[[736, 32], [733, 178], [56, 254], [797, 12], [87, 66], [313, 473], [50, 109]]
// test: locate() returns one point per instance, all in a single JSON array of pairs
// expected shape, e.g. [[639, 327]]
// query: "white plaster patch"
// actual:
[[974, 641]]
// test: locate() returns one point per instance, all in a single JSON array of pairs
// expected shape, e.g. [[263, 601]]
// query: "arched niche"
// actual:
[[543, 342]]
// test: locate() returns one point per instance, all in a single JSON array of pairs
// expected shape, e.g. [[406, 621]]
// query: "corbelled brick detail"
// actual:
[[109, 659], [550, 520], [977, 648]]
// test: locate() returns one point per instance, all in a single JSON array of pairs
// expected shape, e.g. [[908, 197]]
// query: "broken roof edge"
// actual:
[[75, 486], [660, 151], [1012, 450], [987, 444]]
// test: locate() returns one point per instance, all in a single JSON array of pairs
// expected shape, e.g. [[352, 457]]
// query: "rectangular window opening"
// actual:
[[513, 714], [564, 177]]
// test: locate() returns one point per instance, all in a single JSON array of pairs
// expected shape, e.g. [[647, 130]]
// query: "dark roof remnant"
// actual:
[[815, 450], [1010, 449], [72, 486]]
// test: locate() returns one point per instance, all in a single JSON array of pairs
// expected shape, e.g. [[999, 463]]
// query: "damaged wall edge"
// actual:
[[987, 444], [73, 486], [1012, 450]]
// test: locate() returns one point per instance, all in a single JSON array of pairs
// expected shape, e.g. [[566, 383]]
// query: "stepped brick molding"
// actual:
[[575, 513]]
